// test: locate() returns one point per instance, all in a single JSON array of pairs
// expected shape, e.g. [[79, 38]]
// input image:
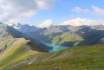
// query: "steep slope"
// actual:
[[75, 58], [18, 34], [16, 46], [16, 51]]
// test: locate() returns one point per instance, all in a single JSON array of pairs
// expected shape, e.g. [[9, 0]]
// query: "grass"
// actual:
[[18, 53], [4, 43], [76, 58], [67, 38]]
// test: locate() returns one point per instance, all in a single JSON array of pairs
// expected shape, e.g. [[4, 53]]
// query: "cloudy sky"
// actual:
[[46, 12]]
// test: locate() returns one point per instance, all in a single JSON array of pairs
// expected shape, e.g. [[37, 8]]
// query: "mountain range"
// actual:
[[65, 35]]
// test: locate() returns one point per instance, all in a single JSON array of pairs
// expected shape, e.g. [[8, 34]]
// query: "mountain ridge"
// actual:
[[64, 34], [16, 46]]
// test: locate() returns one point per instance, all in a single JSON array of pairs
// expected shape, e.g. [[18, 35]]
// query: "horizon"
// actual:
[[51, 25]]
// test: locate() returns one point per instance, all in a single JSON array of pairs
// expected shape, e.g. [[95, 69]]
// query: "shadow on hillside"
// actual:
[[45, 38], [92, 37], [89, 38], [69, 43], [35, 47]]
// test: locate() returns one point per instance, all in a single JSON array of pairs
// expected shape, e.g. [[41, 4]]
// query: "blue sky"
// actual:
[[51, 11], [61, 11]]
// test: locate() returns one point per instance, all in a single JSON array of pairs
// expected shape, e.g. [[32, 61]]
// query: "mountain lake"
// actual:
[[55, 47]]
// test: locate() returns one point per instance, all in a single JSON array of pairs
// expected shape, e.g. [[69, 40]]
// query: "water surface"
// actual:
[[55, 47]]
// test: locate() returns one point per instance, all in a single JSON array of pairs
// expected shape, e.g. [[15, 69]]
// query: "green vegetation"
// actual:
[[67, 39], [19, 51], [75, 58], [45, 38], [91, 38], [4, 43], [74, 36]]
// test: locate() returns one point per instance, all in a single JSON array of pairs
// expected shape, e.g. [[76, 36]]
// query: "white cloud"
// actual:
[[79, 10], [46, 23], [80, 22], [98, 12], [15, 11]]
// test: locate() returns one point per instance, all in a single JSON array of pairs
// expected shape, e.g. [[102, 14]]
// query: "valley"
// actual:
[[65, 48], [64, 35]]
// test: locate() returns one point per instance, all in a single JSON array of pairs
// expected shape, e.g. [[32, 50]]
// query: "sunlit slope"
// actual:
[[16, 46], [76, 58], [67, 39], [15, 50]]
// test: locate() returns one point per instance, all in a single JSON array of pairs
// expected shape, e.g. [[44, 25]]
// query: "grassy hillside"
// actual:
[[67, 39], [76, 58], [17, 50]]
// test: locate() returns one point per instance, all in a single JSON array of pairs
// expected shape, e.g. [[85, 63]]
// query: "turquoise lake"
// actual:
[[55, 47]]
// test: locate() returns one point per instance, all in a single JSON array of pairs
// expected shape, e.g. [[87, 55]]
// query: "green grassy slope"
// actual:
[[67, 39], [4, 43], [17, 51], [75, 58]]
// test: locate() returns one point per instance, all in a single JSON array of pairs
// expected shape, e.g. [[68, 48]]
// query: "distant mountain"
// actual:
[[66, 35], [74, 35], [29, 30], [25, 28]]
